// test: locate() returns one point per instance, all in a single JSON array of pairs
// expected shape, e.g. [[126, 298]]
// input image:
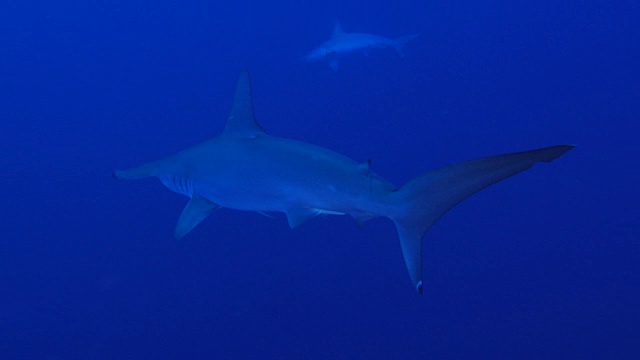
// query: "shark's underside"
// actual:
[[244, 168]]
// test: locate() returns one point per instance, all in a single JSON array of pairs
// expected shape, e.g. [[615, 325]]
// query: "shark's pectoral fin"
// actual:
[[298, 216], [196, 210]]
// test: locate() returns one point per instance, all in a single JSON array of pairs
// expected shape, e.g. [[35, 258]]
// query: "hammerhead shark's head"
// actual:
[[343, 43], [247, 169]]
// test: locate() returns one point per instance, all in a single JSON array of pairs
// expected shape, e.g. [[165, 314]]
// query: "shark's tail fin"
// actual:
[[424, 199], [399, 43]]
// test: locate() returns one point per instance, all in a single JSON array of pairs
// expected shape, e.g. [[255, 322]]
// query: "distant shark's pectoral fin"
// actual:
[[196, 210], [297, 217]]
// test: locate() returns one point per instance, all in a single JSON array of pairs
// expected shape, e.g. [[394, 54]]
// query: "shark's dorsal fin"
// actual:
[[241, 118], [337, 30]]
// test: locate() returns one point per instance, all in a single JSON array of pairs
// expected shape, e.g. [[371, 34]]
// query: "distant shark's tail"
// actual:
[[424, 199], [399, 43]]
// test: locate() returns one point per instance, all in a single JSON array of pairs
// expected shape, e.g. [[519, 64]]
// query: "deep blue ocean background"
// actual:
[[543, 265]]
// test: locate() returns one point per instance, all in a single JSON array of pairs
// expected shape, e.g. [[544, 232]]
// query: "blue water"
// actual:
[[542, 265]]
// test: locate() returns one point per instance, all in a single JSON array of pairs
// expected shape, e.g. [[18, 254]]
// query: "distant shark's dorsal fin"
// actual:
[[337, 30], [241, 118]]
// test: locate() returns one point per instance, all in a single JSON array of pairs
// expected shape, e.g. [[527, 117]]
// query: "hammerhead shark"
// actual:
[[342, 43], [245, 168]]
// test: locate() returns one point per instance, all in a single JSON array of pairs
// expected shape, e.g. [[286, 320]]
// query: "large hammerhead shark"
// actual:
[[247, 169]]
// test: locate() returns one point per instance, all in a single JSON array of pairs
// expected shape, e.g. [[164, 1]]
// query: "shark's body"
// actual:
[[342, 43], [246, 169]]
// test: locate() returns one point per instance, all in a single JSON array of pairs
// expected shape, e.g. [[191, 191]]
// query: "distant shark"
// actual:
[[245, 168], [342, 43]]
